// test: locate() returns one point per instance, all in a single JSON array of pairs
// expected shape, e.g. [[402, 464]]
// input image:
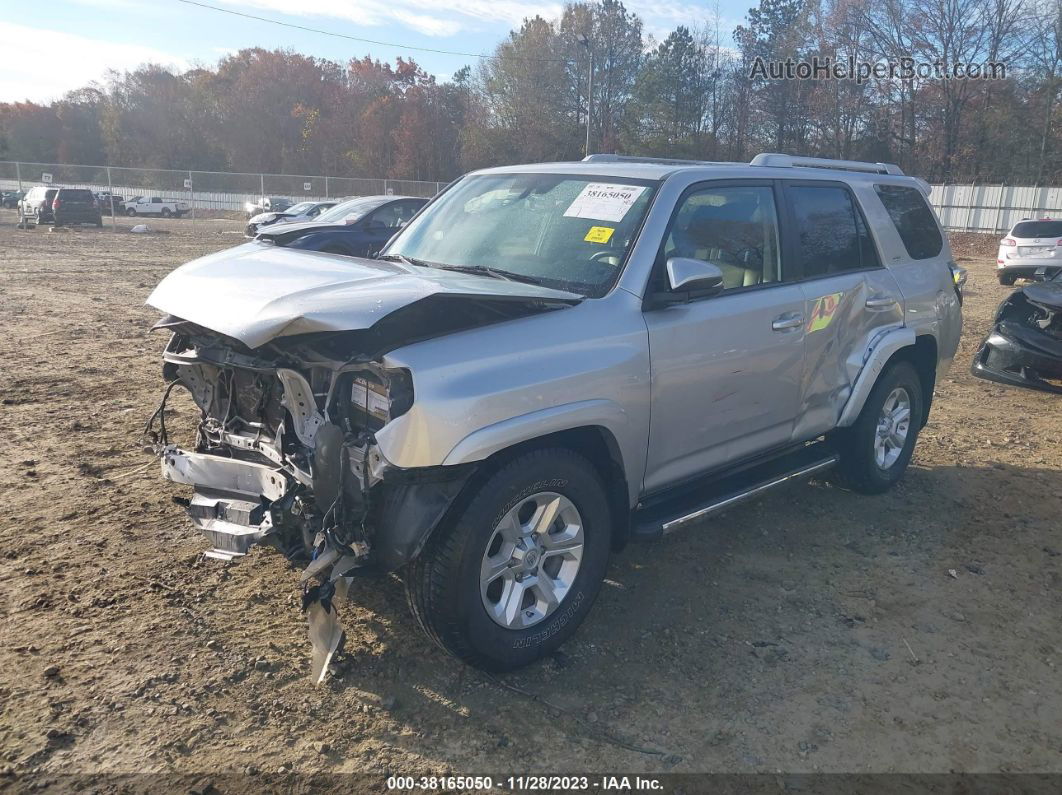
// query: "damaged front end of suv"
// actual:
[[1024, 347], [290, 400]]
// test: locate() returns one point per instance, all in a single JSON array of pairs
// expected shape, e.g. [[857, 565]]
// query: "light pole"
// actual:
[[584, 40]]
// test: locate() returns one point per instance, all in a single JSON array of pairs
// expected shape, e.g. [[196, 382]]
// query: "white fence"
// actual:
[[993, 208]]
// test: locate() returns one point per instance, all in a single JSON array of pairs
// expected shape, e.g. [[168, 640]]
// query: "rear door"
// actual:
[[849, 297]]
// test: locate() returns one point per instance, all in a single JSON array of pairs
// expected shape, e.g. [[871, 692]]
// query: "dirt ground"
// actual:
[[814, 630]]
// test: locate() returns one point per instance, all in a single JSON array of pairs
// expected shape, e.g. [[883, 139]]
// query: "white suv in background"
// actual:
[[1031, 250]]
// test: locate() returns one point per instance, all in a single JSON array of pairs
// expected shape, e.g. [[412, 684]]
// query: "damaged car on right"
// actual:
[[1024, 347]]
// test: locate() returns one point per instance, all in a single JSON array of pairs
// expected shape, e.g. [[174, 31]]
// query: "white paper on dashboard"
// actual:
[[604, 201]]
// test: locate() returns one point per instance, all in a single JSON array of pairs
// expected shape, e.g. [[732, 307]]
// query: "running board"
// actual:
[[664, 517]]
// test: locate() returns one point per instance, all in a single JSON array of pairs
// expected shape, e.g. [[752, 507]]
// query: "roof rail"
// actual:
[[665, 161], [789, 161]]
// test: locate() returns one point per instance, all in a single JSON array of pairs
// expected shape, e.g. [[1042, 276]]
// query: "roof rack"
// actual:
[[789, 161], [664, 161]]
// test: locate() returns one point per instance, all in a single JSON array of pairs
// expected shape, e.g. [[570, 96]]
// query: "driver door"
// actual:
[[726, 369]]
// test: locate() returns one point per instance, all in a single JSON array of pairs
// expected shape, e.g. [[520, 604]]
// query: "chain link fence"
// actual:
[[207, 192], [969, 208]]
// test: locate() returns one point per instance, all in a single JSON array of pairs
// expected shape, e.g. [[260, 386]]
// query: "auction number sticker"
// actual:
[[604, 202]]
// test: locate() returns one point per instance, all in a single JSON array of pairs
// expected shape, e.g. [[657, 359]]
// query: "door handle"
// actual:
[[881, 302], [788, 321]]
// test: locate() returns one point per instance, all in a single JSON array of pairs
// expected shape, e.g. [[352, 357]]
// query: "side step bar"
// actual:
[[668, 515]]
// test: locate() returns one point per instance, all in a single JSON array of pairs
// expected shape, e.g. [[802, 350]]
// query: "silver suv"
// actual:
[[549, 361]]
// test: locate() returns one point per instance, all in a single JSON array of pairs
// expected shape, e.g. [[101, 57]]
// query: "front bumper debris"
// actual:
[[1015, 357], [232, 499], [1024, 347]]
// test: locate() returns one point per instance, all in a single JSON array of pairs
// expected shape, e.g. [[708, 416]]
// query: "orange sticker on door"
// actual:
[[823, 311]]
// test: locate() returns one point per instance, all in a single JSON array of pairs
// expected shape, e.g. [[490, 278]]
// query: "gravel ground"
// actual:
[[814, 630]]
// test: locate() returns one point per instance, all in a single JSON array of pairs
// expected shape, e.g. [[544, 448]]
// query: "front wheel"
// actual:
[[509, 578], [875, 451], [131, 212]]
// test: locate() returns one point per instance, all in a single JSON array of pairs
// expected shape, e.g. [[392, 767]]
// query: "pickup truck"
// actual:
[[154, 205]]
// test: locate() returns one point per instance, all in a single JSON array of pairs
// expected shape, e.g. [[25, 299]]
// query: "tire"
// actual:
[[165, 212], [859, 466], [1007, 279], [443, 584], [131, 212]]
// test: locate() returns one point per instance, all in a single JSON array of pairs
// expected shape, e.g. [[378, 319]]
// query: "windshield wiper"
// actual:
[[494, 273], [407, 260]]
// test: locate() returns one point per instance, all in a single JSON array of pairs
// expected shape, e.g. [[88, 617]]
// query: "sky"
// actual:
[[77, 41]]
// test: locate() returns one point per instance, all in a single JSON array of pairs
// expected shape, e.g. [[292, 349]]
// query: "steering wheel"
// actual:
[[601, 256]]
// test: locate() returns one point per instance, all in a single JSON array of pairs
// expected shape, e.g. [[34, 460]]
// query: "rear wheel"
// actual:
[[1007, 279], [875, 451], [511, 577], [165, 212]]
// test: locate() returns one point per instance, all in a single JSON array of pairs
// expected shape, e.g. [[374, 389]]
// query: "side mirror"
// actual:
[[687, 275]]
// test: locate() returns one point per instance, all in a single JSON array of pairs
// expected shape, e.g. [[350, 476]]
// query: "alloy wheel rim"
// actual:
[[894, 425], [531, 560]]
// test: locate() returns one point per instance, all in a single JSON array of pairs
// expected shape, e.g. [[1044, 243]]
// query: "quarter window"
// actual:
[[734, 228], [831, 235], [913, 220]]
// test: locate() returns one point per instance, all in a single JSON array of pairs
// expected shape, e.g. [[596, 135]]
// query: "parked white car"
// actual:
[[296, 214], [154, 205], [1032, 249]]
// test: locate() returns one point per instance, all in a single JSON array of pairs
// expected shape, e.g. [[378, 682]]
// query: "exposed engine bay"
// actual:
[[285, 455], [1024, 347]]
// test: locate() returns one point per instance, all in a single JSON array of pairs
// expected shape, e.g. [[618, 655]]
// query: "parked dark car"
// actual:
[[37, 204], [358, 227], [1024, 347], [110, 203], [76, 206], [10, 198]]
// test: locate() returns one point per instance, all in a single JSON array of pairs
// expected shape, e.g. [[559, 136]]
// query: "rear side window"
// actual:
[[1037, 229], [832, 236], [913, 220]]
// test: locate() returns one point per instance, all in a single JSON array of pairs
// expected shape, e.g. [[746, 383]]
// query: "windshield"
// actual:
[[564, 231], [1037, 229], [352, 210], [300, 208]]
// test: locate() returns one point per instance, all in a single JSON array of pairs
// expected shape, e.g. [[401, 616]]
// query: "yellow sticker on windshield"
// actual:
[[599, 234]]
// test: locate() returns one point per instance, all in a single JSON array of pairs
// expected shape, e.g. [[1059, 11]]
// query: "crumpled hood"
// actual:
[[255, 293], [1045, 293]]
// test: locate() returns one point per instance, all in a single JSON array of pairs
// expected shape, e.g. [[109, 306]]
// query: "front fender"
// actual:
[[494, 438]]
